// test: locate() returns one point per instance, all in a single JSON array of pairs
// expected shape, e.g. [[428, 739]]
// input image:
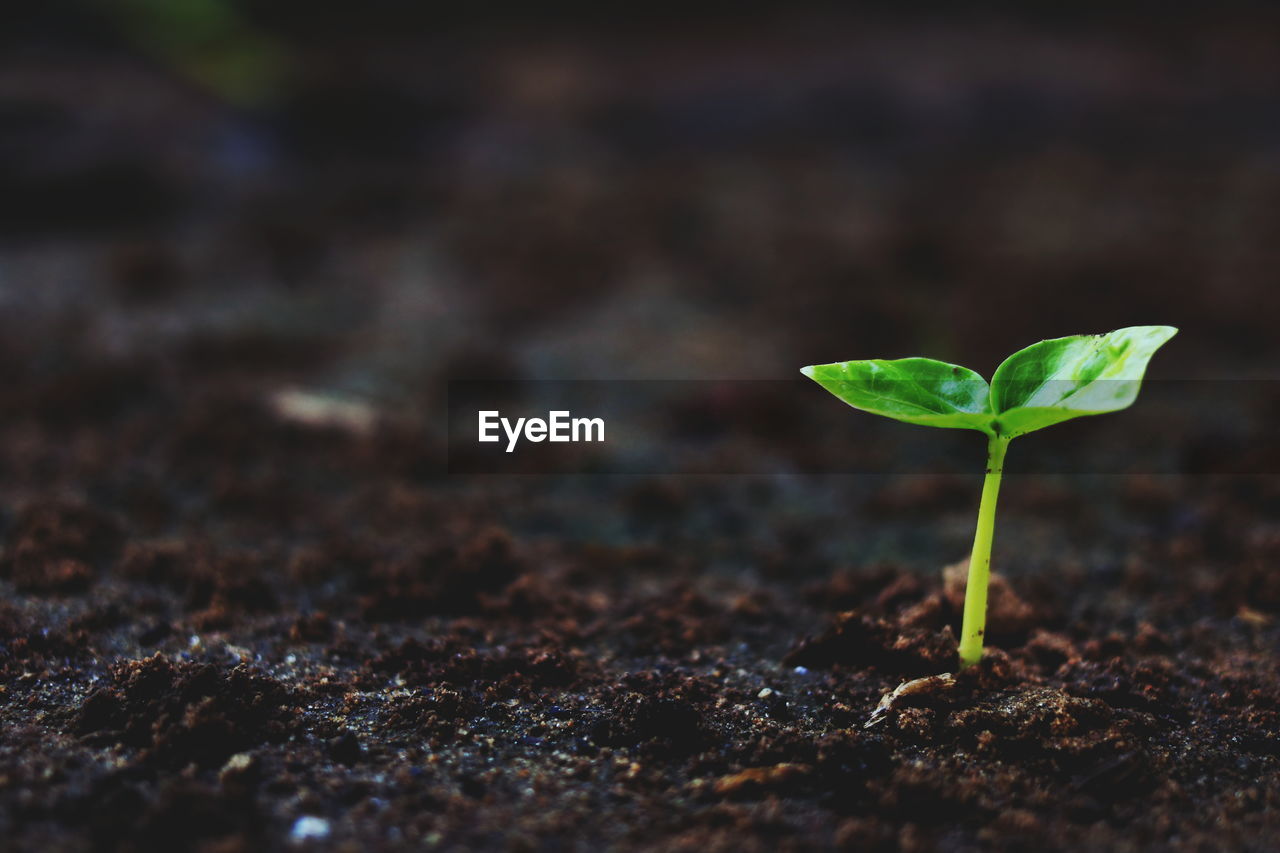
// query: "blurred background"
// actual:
[[373, 198]]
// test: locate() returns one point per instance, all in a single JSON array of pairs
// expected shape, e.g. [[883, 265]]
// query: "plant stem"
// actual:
[[975, 595]]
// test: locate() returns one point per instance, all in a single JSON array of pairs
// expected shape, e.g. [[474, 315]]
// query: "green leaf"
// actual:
[[914, 390], [1065, 378], [1044, 384]]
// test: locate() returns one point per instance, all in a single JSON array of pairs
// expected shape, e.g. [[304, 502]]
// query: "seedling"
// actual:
[[1044, 384]]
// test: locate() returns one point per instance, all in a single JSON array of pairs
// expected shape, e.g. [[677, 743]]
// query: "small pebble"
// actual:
[[801, 670], [238, 763], [309, 828], [765, 693], [345, 748]]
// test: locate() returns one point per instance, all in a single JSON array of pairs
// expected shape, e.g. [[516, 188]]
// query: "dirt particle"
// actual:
[[1051, 649], [241, 769], [312, 628], [755, 781], [186, 712], [345, 748], [59, 547], [450, 578], [857, 640], [659, 723]]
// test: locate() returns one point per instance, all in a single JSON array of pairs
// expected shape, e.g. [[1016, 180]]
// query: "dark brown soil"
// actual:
[[223, 615]]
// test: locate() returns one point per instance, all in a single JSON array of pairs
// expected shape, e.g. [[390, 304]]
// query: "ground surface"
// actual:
[[225, 610]]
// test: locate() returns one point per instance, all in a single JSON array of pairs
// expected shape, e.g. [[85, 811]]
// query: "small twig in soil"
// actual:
[[914, 687]]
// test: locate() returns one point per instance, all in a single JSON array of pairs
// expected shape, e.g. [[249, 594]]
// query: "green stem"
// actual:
[[975, 596]]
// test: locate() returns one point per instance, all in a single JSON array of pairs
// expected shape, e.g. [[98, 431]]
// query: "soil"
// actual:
[[236, 619]]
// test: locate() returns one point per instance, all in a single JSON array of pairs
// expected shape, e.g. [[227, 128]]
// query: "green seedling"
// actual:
[[1044, 384]]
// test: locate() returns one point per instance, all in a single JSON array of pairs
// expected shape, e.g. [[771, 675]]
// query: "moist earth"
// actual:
[[418, 661]]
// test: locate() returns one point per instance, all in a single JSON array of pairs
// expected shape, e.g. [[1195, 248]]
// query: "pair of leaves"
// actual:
[[1044, 384]]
